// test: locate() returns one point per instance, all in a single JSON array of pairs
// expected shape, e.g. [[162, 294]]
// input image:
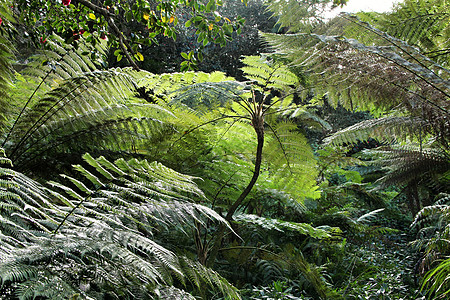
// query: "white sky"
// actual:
[[364, 5]]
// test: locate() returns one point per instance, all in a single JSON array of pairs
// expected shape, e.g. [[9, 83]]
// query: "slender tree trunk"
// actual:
[[258, 125]]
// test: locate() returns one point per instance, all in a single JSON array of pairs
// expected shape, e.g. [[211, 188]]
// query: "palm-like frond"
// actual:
[[97, 232], [385, 73]]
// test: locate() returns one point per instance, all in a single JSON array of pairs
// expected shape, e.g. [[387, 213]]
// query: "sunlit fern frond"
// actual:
[[59, 61], [160, 86], [93, 111], [269, 74], [291, 163], [142, 193], [95, 233]]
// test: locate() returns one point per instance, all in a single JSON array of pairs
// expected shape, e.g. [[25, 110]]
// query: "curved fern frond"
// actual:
[[413, 165]]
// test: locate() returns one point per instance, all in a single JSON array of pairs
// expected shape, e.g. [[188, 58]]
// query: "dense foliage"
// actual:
[[323, 172]]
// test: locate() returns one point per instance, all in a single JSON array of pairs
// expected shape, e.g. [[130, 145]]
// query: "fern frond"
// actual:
[[292, 165], [269, 74], [409, 165], [423, 24], [386, 130], [200, 275], [383, 75], [368, 217], [283, 226], [104, 234]]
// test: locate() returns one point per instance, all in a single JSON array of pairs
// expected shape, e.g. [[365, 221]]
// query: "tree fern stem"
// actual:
[[258, 125]]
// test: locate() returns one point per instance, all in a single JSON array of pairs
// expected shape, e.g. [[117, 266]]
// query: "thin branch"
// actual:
[[281, 145]]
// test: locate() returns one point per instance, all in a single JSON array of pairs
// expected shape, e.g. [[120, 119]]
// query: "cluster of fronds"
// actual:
[[432, 223], [95, 237], [271, 85], [381, 72], [75, 106], [422, 23], [362, 67]]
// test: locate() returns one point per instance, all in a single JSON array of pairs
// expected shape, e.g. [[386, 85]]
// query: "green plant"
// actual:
[[102, 228], [90, 22]]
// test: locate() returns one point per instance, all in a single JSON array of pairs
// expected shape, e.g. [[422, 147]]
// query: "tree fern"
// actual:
[[104, 234], [358, 65], [72, 105]]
